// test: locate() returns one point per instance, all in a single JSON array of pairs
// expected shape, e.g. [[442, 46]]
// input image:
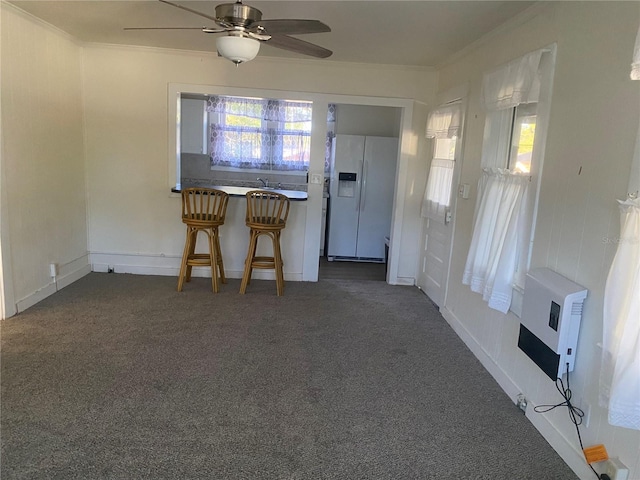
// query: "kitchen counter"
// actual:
[[234, 234], [233, 191]]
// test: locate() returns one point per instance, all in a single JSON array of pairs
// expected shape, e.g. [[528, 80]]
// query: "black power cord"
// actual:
[[575, 414]]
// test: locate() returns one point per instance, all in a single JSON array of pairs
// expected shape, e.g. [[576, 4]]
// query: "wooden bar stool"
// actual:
[[267, 214], [203, 210]]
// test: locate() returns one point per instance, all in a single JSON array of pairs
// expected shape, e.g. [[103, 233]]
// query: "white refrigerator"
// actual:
[[363, 178]]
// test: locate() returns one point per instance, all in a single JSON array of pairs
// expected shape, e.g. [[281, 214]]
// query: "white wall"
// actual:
[[594, 119], [43, 177], [127, 141]]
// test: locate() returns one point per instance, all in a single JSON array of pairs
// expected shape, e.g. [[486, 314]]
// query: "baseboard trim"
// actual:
[[35, 297], [168, 266], [69, 273], [73, 271], [565, 448]]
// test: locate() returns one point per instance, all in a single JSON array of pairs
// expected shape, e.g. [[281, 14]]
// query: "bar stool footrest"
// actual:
[[199, 260], [263, 262]]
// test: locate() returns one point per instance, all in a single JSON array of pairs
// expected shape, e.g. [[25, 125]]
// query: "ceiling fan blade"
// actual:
[[292, 26], [168, 28], [298, 46], [187, 9]]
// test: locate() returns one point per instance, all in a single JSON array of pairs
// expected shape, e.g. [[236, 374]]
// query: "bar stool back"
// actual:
[[267, 214], [203, 210]]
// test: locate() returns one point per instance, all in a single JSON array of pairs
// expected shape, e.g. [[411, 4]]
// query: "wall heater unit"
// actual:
[[550, 321]]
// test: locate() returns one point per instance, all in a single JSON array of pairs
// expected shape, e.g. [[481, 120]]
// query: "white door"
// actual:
[[376, 199], [437, 232], [434, 259]]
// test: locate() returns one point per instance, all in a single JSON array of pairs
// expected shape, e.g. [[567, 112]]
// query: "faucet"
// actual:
[[265, 183]]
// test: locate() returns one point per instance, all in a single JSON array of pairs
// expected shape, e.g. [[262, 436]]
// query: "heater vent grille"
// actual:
[[576, 309]]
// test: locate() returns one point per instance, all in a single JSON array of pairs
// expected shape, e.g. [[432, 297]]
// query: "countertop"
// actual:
[[294, 195]]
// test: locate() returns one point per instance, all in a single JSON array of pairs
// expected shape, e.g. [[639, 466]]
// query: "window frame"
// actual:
[[543, 110], [530, 109]]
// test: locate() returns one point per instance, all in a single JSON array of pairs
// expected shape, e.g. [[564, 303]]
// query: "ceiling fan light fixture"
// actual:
[[238, 49]]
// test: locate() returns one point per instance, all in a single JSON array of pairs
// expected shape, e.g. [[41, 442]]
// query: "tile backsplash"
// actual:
[[195, 170]]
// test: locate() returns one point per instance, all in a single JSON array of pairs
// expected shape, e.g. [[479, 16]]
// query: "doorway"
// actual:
[[361, 187]]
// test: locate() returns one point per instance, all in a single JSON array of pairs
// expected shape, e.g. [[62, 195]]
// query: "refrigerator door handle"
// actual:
[[363, 194], [359, 192]]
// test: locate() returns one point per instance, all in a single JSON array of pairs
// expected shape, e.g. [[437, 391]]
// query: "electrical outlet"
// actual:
[[317, 178], [521, 402], [616, 469], [463, 190]]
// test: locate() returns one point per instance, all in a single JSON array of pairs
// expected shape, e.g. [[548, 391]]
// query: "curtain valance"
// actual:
[[513, 83], [444, 122]]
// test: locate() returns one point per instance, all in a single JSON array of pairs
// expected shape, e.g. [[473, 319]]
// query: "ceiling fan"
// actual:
[[244, 29]]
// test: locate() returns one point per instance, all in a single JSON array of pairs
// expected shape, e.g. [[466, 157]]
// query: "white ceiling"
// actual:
[[397, 32]]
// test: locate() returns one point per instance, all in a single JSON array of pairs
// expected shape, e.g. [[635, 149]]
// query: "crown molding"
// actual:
[[514, 22], [38, 21]]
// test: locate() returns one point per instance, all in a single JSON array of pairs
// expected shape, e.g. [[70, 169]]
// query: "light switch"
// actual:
[[463, 190], [317, 178]]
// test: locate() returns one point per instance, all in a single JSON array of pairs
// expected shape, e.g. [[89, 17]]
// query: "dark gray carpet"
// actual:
[[120, 376], [343, 270]]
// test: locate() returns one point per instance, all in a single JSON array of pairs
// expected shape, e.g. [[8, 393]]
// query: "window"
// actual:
[[445, 148], [517, 99], [257, 133], [523, 132], [443, 125], [441, 172]]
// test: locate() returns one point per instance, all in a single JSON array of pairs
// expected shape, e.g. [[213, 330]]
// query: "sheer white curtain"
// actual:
[[493, 252], [499, 215], [262, 135], [437, 195], [513, 83], [620, 373], [496, 139], [443, 123]]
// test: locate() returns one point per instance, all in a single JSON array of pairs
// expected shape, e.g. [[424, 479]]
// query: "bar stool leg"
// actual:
[[248, 269], [193, 232], [220, 263], [185, 258], [277, 260], [213, 260]]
